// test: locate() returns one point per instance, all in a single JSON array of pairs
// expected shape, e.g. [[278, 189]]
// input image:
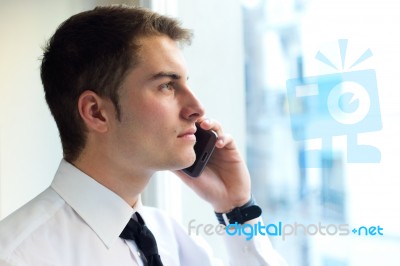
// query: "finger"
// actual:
[[210, 124], [201, 119], [225, 141]]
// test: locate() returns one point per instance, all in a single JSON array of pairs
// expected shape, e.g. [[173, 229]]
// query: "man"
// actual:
[[116, 83]]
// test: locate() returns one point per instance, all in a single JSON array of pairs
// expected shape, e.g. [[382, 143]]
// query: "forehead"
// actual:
[[157, 54], [160, 51]]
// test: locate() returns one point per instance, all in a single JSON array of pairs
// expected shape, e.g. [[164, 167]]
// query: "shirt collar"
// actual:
[[105, 212]]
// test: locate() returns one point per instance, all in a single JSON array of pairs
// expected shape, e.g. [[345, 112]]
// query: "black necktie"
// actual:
[[138, 232]]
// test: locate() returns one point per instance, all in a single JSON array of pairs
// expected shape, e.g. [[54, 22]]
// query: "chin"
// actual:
[[187, 161], [179, 166]]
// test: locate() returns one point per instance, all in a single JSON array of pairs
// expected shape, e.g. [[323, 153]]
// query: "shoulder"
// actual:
[[173, 237], [21, 224], [156, 218], [162, 223]]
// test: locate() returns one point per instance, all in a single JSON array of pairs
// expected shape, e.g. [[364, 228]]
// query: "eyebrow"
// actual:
[[171, 75]]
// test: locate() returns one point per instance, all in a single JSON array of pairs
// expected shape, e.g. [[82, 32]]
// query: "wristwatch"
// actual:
[[240, 215]]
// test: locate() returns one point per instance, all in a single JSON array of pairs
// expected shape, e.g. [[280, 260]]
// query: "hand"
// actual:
[[225, 182]]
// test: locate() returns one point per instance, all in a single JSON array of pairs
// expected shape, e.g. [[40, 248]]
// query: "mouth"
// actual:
[[188, 134]]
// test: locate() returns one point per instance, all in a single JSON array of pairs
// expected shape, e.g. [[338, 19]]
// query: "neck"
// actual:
[[128, 183]]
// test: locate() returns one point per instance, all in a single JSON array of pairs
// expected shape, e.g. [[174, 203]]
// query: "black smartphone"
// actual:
[[204, 147]]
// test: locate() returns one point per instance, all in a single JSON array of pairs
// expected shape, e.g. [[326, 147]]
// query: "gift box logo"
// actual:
[[344, 103]]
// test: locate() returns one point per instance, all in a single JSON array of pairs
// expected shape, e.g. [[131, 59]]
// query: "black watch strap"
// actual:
[[240, 215]]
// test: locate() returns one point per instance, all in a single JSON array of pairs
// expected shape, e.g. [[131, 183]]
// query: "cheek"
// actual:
[[150, 116], [149, 123], [154, 111], [151, 113]]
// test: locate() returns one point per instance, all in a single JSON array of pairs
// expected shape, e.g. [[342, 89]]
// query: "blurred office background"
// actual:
[[242, 55]]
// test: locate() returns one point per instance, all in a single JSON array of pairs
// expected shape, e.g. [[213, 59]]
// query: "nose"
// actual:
[[192, 108]]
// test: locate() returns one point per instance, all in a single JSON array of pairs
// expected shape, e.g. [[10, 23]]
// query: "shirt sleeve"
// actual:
[[251, 248]]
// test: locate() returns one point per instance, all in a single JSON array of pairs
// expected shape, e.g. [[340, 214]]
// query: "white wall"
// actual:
[[30, 149], [216, 70], [29, 145]]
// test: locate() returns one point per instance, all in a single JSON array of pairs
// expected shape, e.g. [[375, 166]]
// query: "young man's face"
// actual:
[[158, 110]]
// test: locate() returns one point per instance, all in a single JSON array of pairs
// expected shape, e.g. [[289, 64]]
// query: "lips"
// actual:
[[188, 133]]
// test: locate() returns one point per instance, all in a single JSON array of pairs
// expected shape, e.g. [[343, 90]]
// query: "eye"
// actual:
[[167, 86]]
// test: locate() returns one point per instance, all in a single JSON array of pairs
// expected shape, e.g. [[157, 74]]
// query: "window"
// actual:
[[337, 184]]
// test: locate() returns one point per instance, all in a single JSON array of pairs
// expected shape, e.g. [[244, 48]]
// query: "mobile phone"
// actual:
[[204, 147]]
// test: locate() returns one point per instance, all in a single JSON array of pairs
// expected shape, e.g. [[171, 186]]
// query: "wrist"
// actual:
[[229, 206], [245, 212]]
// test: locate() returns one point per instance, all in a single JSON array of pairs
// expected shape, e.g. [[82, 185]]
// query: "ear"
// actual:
[[92, 109]]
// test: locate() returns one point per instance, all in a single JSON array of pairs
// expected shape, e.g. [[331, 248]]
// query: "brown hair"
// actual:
[[94, 50]]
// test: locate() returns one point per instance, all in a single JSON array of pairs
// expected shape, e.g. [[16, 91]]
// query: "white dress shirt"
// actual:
[[77, 221]]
